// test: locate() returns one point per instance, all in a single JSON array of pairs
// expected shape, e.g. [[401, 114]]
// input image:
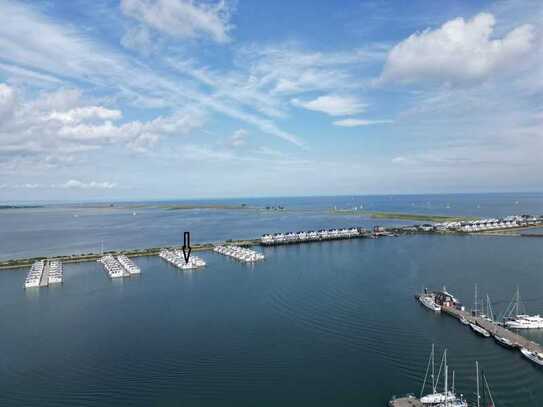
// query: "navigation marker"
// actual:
[[186, 246]]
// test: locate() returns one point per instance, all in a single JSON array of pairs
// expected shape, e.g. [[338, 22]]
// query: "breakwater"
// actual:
[[517, 223]]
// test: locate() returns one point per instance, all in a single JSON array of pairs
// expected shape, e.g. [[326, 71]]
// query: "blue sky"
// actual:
[[137, 99]]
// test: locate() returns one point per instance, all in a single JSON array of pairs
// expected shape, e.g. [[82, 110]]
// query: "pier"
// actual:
[[494, 329], [44, 281], [408, 401]]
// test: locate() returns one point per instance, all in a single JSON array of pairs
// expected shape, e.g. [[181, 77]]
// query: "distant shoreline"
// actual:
[[402, 216], [20, 206]]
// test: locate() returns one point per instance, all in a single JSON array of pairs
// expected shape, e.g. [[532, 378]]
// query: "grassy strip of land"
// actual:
[[20, 206], [154, 251], [402, 216], [176, 207]]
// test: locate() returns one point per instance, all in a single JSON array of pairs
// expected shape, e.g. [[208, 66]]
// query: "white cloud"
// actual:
[[333, 105], [86, 113], [238, 139], [459, 50], [7, 101], [75, 184], [180, 18], [60, 123], [31, 40], [359, 122]]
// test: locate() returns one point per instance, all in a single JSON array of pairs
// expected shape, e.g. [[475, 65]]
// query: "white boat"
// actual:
[[113, 267], [479, 331], [515, 320], [428, 300], [447, 397], [535, 357], [128, 265], [525, 322], [506, 343], [464, 320], [33, 278], [56, 273]]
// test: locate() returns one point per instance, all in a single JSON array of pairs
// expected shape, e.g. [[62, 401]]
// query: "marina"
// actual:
[[482, 226], [485, 327], [55, 272], [239, 253], [43, 273], [176, 258], [129, 266], [448, 396], [113, 268], [351, 299], [34, 276]]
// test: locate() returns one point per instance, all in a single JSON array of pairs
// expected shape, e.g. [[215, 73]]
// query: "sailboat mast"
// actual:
[[475, 309], [446, 384], [478, 395], [433, 369]]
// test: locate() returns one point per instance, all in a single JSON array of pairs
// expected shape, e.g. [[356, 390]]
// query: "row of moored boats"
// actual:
[[239, 253], [119, 267], [434, 302], [311, 236], [447, 395], [44, 272], [177, 258]]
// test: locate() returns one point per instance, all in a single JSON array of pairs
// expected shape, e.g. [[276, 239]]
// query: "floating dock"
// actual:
[[44, 281], [408, 401]]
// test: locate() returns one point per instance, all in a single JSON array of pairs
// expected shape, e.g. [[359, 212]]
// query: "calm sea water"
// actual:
[[332, 323]]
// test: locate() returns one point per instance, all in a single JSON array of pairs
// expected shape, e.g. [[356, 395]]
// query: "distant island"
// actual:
[[402, 216], [20, 206]]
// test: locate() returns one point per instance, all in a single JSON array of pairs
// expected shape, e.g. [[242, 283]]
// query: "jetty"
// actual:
[[449, 306], [494, 329], [44, 281], [407, 401]]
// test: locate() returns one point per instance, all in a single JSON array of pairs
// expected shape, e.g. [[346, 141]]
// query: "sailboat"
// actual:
[[486, 399], [448, 396], [514, 319]]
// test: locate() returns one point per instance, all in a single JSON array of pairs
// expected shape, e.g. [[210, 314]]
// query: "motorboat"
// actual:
[[479, 331], [506, 343], [535, 357], [428, 300]]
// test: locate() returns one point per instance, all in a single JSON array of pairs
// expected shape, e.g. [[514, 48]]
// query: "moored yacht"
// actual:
[[506, 343], [535, 357], [428, 300], [479, 331]]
